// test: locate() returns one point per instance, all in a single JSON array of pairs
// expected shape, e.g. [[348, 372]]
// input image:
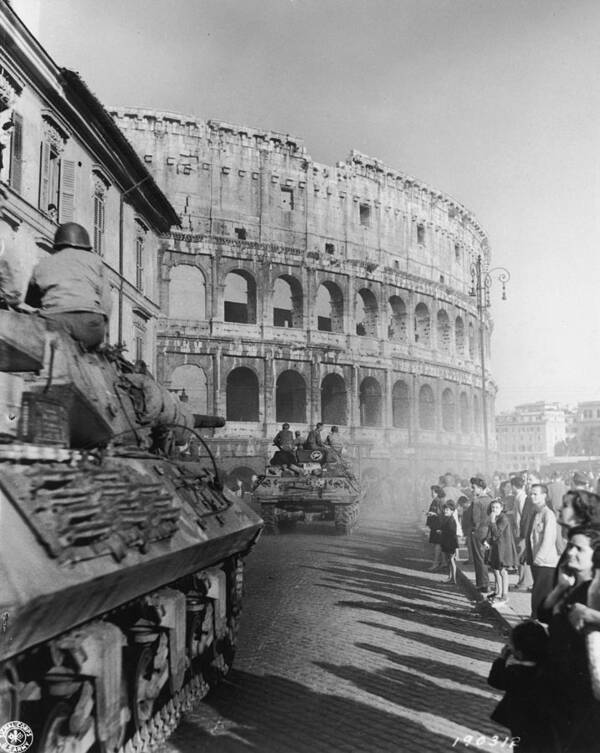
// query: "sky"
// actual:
[[496, 102]]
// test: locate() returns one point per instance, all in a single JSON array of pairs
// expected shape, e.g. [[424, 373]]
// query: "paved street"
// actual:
[[349, 644]]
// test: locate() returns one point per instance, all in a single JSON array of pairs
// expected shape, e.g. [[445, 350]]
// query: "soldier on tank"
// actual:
[[73, 290]]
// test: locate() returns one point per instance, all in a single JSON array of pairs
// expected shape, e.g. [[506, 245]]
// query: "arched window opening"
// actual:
[[333, 400], [242, 395], [370, 402], [287, 302], [465, 415], [443, 331], [290, 397], [366, 313], [422, 325], [330, 308], [426, 408], [459, 336], [189, 383], [472, 346], [448, 410], [400, 405], [187, 293], [240, 298], [397, 319]]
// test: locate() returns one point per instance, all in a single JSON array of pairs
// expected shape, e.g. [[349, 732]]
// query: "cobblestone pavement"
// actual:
[[349, 644]]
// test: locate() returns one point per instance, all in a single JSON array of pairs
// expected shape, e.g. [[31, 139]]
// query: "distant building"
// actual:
[[63, 159], [587, 427], [527, 436]]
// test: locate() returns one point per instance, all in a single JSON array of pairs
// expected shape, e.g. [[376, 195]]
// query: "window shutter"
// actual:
[[16, 153], [67, 190], [44, 175]]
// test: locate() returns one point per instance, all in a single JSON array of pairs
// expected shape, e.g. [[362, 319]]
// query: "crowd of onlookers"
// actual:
[[548, 533]]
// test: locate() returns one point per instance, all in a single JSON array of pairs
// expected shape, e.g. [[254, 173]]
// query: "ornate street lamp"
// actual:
[[481, 283]]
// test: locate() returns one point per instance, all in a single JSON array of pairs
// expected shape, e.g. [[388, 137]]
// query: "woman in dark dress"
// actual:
[[503, 554], [575, 711], [434, 523]]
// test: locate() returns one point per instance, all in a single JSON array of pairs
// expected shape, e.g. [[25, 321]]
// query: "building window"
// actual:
[[16, 152], [457, 252], [364, 213], [139, 348], [329, 248], [99, 197], [287, 198], [139, 264], [421, 234], [49, 176], [240, 233]]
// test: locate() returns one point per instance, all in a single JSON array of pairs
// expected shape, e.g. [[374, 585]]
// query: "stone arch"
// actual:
[[459, 336], [465, 414], [187, 293], [472, 343], [448, 410], [334, 400], [330, 307], [426, 408], [370, 402], [397, 325], [189, 382], [287, 302], [367, 313], [239, 298], [444, 331], [290, 397], [242, 395], [400, 405], [422, 325]]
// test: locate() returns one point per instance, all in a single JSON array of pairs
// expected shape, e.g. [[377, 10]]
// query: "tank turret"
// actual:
[[122, 562]]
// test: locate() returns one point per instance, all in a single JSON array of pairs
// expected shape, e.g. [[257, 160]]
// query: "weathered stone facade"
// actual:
[[302, 292]]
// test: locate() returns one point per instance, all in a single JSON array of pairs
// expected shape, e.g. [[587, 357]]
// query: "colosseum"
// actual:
[[297, 291]]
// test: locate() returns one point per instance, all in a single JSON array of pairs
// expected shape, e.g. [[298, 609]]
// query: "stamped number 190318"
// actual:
[[503, 743]]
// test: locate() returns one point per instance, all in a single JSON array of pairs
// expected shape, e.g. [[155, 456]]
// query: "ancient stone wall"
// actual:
[[302, 292]]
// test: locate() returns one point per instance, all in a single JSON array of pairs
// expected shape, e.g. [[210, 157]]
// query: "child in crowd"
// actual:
[[503, 554], [449, 539], [516, 671], [434, 519]]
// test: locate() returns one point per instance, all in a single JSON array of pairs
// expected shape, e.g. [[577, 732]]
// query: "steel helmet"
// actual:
[[73, 235]]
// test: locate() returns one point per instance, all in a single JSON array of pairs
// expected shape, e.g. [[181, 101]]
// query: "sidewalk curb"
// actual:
[[506, 619]]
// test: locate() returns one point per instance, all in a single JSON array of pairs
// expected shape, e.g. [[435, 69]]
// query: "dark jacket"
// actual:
[[502, 543], [480, 516], [524, 708], [448, 537]]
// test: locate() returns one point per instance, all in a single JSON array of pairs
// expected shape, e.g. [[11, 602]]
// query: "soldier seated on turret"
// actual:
[[285, 455], [74, 292]]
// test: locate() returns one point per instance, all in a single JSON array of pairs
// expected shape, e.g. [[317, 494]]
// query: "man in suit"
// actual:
[[479, 530]]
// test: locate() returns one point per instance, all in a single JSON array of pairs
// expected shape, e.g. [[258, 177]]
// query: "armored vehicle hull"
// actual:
[[121, 564], [326, 489]]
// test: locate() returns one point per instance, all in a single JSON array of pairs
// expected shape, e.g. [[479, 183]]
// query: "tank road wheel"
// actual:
[[144, 686], [55, 736], [345, 518], [9, 693], [200, 632], [269, 515]]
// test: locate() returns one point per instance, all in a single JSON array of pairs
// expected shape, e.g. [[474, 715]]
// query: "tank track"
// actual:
[[156, 730]]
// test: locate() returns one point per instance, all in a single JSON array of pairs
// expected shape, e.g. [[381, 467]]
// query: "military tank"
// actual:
[[121, 561], [324, 488]]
